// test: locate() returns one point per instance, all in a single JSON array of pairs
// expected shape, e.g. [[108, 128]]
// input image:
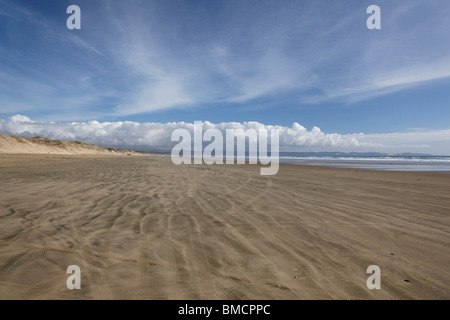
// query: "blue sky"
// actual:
[[274, 62]]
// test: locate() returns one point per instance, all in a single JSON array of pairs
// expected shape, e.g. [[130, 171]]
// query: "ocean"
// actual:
[[373, 161], [389, 163]]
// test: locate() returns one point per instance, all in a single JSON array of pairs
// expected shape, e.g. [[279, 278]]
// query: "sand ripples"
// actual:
[[145, 228]]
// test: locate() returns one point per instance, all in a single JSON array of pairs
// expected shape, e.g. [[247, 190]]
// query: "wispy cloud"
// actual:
[[142, 57], [83, 44]]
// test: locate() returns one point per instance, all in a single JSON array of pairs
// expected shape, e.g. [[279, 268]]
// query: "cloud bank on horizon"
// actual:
[[152, 136]]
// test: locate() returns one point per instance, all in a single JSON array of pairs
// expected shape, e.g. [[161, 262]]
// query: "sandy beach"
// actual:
[[144, 228]]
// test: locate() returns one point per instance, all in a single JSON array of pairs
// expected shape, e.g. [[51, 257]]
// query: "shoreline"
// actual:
[[375, 166], [317, 164]]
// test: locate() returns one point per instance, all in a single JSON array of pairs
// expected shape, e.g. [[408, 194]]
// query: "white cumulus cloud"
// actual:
[[158, 135], [148, 136]]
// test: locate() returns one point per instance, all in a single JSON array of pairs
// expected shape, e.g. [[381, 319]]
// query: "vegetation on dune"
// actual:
[[66, 144]]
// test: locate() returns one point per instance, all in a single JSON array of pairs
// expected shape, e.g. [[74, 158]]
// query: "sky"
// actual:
[[138, 69]]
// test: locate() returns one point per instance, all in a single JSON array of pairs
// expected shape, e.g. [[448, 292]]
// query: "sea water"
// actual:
[[392, 163]]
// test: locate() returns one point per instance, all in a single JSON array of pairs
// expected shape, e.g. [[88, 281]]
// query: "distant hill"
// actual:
[[40, 145]]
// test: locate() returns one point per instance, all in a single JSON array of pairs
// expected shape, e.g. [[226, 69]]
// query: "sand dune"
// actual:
[[143, 228], [40, 145]]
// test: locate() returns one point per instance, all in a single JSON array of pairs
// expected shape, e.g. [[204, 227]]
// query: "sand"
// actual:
[[39, 145], [143, 228]]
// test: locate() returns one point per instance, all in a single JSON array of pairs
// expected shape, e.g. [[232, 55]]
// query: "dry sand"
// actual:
[[143, 228], [40, 145]]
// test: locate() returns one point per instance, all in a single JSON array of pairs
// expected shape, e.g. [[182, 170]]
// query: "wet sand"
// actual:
[[144, 228]]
